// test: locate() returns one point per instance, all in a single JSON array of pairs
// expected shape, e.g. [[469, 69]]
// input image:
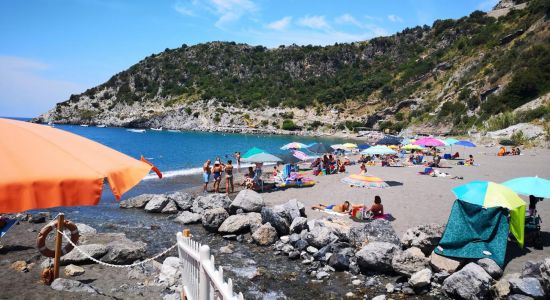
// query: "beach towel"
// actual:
[[7, 226], [475, 232]]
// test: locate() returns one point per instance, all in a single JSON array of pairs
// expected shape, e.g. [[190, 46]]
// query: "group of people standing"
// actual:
[[216, 171]]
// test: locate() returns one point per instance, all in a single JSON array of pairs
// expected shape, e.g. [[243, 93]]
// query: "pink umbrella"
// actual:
[[429, 142], [302, 156]]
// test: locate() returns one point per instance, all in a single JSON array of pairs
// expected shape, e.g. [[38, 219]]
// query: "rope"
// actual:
[[117, 266]]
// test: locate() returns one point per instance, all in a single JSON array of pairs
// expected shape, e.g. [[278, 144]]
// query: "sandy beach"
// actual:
[[416, 199]]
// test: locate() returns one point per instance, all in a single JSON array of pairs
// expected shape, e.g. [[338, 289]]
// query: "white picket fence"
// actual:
[[201, 280]]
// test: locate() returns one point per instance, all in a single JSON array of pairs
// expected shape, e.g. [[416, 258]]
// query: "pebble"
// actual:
[[227, 249], [230, 236], [20, 266], [72, 270], [350, 294], [312, 250], [390, 288], [356, 282], [322, 275], [285, 239]]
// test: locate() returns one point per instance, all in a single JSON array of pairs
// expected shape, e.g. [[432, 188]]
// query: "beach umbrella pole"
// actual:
[[58, 240]]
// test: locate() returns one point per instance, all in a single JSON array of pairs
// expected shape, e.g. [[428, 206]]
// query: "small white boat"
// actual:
[[157, 129], [84, 125], [136, 130], [101, 126], [173, 130]]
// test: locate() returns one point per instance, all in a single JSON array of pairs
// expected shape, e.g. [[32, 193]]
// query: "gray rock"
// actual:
[[322, 275], [170, 272], [36, 218], [73, 286], [293, 238], [285, 239], [379, 297], [339, 262], [84, 229], [440, 276], [390, 288], [136, 202], [539, 270], [301, 245], [294, 254], [213, 218], [124, 251], [72, 270], [280, 223], [491, 267], [187, 217], [265, 235], [320, 236], [184, 201], [501, 288], [377, 230], [529, 286], [312, 250], [227, 249], [298, 224], [472, 282], [156, 203], [170, 208], [377, 256], [426, 237], [421, 278], [441, 263], [287, 249], [75, 257], [241, 223], [247, 200], [290, 210], [410, 261], [210, 201], [520, 297]]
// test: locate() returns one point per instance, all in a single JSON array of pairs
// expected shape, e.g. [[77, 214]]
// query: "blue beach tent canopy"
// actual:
[[465, 144], [363, 146], [538, 187]]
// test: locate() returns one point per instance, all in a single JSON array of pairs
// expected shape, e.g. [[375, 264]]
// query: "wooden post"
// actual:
[[58, 240], [186, 233]]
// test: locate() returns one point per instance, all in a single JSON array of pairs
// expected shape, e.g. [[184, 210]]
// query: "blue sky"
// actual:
[[51, 49]]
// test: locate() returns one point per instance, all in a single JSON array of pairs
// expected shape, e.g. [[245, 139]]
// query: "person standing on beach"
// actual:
[[217, 170], [206, 174], [238, 158], [229, 177]]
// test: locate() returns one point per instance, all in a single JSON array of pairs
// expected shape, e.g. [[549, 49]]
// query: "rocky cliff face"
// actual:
[[456, 72]]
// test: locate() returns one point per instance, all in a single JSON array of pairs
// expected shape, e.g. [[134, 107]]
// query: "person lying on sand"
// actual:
[[341, 208], [503, 152]]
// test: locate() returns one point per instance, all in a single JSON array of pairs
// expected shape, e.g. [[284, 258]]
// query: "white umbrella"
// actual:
[[261, 158], [379, 149]]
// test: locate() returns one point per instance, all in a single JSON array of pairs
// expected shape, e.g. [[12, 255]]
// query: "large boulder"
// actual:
[[441, 263], [73, 286], [539, 270], [241, 223], [170, 208], [213, 218], [421, 278], [377, 230], [265, 235], [187, 217], [472, 283], [136, 202], [280, 223], [184, 201], [247, 200], [290, 210], [491, 267], [298, 224], [170, 272], [156, 203], [320, 236], [377, 256], [425, 237], [528, 286], [210, 201], [75, 257], [410, 261], [124, 251]]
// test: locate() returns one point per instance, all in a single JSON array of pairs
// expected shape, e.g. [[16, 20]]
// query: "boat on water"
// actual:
[[173, 130], [136, 130], [156, 129], [101, 126], [84, 125]]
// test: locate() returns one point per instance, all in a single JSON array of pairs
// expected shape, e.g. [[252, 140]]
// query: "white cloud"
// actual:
[[314, 22], [26, 92], [281, 24], [395, 18], [348, 19], [226, 11]]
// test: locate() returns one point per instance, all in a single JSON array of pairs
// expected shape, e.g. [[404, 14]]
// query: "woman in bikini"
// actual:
[[217, 171], [229, 177]]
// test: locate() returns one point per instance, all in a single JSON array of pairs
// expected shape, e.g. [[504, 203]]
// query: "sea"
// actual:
[[180, 155]]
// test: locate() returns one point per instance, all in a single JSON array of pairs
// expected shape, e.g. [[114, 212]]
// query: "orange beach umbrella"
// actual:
[[44, 167]]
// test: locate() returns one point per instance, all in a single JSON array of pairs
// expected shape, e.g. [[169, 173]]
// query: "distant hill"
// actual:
[[450, 77]]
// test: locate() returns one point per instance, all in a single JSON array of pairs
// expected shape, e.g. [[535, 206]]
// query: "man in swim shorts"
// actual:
[[217, 171]]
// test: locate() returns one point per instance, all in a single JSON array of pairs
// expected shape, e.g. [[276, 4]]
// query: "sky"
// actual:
[[50, 49]]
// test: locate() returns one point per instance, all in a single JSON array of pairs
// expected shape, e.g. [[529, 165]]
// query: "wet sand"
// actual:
[[417, 199]]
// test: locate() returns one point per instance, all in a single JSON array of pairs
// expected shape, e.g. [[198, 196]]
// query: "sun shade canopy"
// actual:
[[45, 167]]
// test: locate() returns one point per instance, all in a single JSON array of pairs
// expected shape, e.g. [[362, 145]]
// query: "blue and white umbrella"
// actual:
[[378, 149]]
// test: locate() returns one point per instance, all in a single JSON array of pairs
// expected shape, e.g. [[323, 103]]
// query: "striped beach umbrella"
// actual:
[[429, 142], [366, 181], [294, 145]]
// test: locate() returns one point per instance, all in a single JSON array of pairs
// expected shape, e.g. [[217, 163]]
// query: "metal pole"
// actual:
[[204, 286], [58, 240]]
